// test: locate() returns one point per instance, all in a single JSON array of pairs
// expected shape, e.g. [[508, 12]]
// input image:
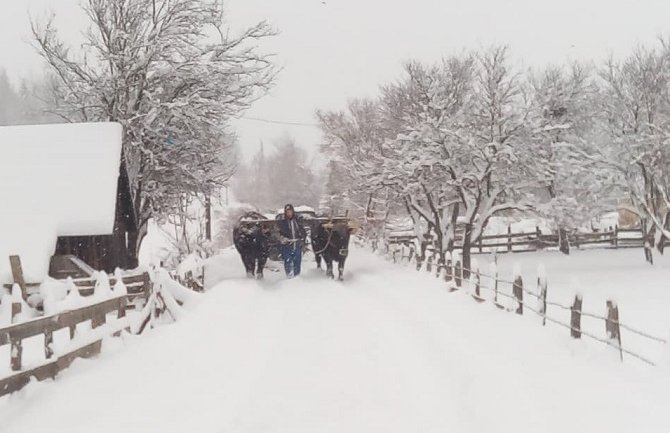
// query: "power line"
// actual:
[[280, 122]]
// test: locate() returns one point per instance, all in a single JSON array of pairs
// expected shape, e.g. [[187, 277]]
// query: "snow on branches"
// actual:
[[173, 75], [470, 137]]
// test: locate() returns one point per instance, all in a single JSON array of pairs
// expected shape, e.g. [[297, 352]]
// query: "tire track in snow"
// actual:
[[345, 362]]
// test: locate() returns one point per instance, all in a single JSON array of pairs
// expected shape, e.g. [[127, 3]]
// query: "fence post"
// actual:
[[146, 286], [542, 289], [576, 317], [458, 273], [16, 343], [495, 292], [509, 238], [480, 242], [448, 273], [612, 325], [48, 343], [478, 295], [98, 320], [518, 293], [17, 275], [616, 236], [121, 313]]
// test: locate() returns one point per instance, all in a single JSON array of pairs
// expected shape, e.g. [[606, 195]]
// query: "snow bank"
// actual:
[[55, 180], [177, 291], [311, 354], [192, 263]]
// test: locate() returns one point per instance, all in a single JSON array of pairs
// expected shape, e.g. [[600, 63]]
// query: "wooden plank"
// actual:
[[513, 243], [576, 318], [58, 321], [594, 242], [29, 286], [48, 344], [517, 289], [87, 351], [509, 238], [17, 274], [127, 279], [612, 325], [17, 343], [530, 235], [19, 380], [620, 230], [49, 370]]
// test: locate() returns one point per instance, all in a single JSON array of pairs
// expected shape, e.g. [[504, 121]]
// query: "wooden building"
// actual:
[[65, 192]]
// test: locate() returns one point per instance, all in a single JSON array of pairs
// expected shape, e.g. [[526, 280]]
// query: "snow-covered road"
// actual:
[[388, 350]]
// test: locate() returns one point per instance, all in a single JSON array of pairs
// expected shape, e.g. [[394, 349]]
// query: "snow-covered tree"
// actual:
[[280, 176], [354, 142], [428, 108], [172, 73], [636, 122], [449, 140], [565, 116]]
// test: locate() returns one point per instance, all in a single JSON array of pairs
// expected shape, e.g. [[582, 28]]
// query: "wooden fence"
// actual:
[[519, 293], [402, 246], [137, 287], [46, 326]]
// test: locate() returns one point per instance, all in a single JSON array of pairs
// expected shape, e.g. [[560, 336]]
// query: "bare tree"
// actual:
[[172, 74]]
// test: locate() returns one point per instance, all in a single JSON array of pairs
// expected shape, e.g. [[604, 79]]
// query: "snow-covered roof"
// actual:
[[55, 180]]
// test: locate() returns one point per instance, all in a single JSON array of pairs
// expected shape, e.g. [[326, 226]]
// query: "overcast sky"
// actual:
[[333, 50]]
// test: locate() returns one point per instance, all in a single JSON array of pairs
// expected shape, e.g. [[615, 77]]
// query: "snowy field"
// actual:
[[388, 350], [641, 291]]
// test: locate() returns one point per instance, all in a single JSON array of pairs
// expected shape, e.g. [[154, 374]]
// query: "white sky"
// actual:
[[338, 49]]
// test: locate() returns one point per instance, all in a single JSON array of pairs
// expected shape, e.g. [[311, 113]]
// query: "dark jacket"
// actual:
[[296, 234]]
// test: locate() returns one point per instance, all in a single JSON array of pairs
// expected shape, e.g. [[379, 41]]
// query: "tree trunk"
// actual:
[[661, 241], [563, 241], [439, 244], [208, 218], [467, 245], [648, 242], [134, 242]]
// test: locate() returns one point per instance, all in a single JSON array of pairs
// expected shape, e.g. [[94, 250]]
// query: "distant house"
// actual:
[[64, 191]]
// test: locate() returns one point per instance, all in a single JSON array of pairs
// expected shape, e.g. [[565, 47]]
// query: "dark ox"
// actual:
[[252, 241], [330, 240]]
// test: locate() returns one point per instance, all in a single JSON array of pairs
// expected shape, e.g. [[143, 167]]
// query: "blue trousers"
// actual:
[[292, 259]]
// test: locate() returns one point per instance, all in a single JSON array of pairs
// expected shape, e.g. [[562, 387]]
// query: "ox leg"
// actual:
[[318, 261], [329, 267], [248, 261], [259, 269], [340, 270]]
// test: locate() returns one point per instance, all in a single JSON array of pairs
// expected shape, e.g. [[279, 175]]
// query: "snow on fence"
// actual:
[[401, 245], [460, 278], [74, 327], [79, 346]]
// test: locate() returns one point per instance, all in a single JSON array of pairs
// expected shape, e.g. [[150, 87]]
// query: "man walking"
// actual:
[[292, 237]]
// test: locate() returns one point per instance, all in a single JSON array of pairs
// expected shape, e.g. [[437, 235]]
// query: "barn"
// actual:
[[65, 199]]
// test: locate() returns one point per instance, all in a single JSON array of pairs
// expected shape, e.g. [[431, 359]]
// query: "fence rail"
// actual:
[[46, 326], [134, 287], [529, 241], [459, 278]]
